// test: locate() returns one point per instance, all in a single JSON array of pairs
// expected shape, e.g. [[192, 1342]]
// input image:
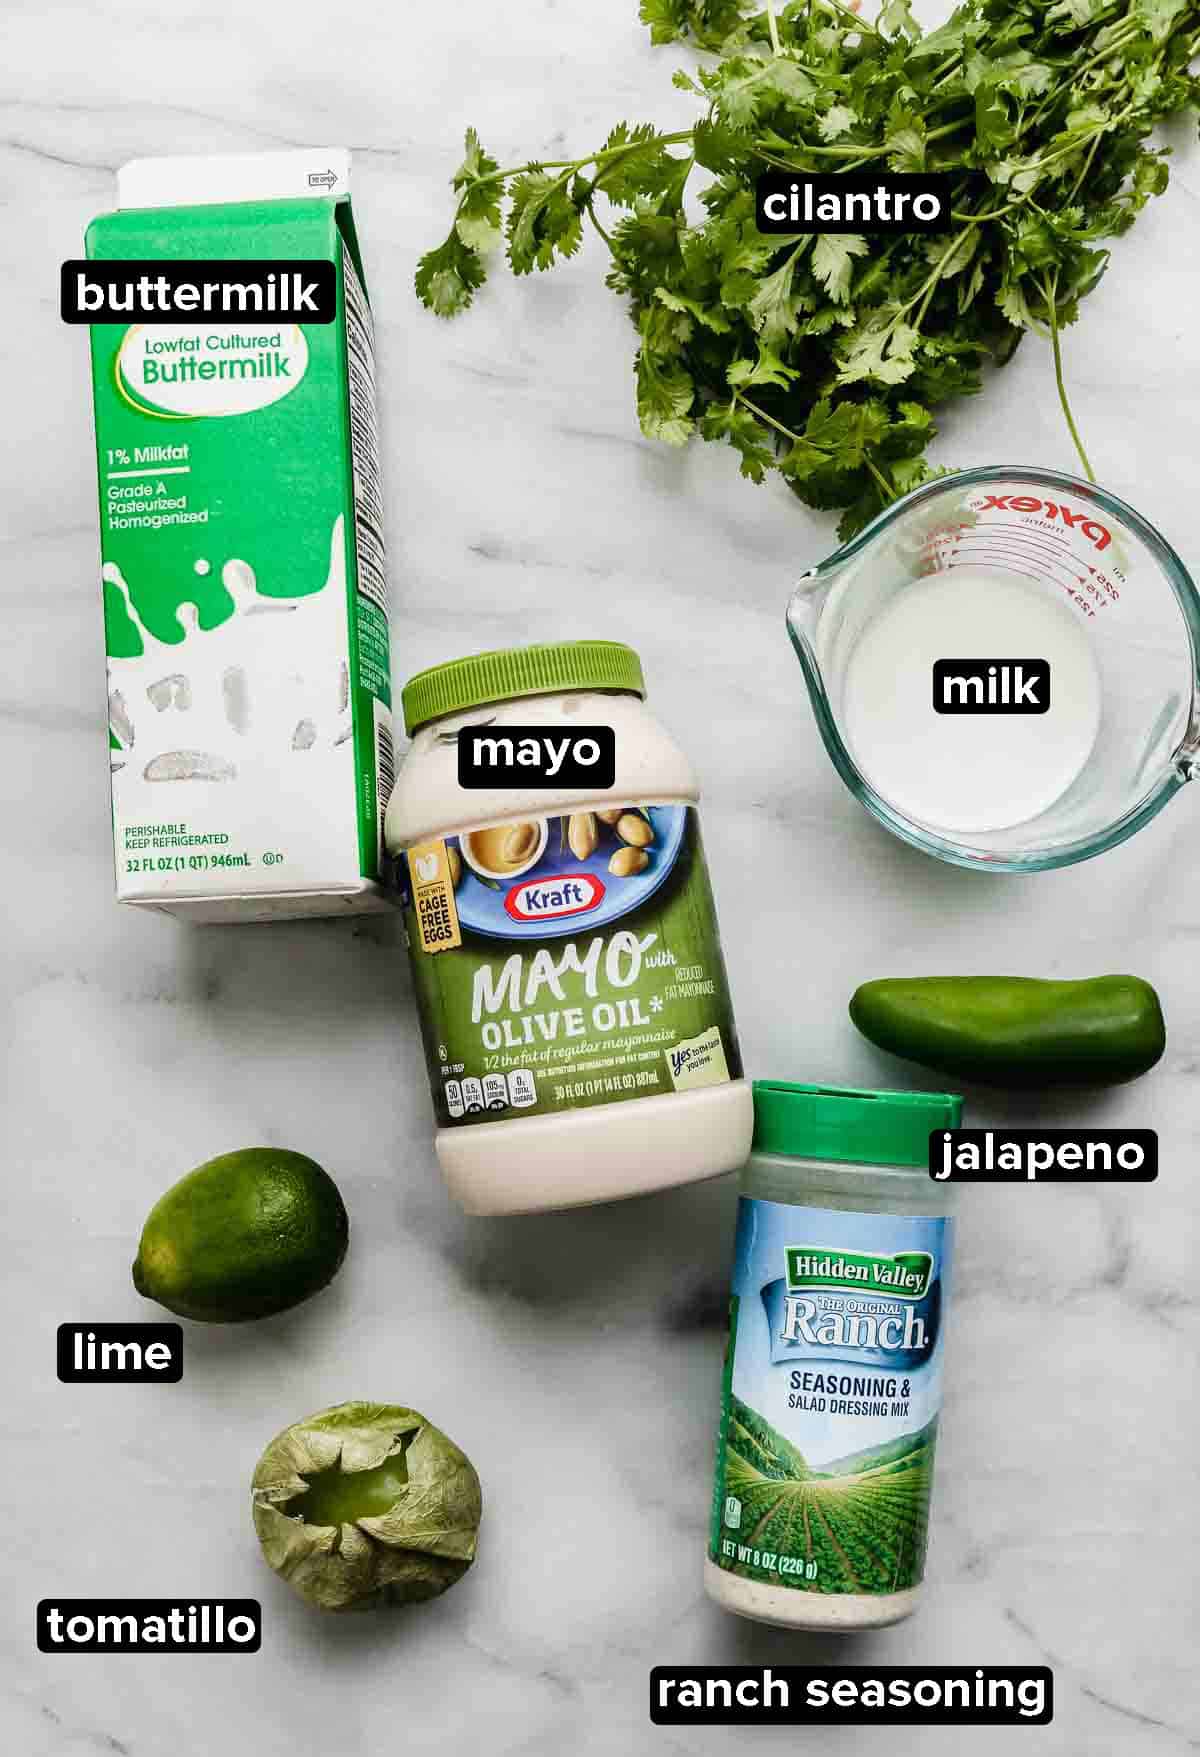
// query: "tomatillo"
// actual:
[[366, 1504]]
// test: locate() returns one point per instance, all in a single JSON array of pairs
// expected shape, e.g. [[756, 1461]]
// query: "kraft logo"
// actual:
[[1073, 518], [574, 893]]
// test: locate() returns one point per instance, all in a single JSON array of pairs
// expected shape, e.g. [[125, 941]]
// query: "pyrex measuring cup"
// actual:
[[1093, 554]]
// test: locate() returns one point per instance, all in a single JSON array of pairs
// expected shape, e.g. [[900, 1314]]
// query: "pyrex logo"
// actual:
[[572, 893], [1072, 517]]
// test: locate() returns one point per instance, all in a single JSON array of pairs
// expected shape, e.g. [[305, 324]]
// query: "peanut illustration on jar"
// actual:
[[583, 838], [634, 830], [628, 862]]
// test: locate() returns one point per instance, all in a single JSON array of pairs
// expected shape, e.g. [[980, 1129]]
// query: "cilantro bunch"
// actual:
[[823, 356]]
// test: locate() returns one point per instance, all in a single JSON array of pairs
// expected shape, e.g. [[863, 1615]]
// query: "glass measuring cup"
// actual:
[[1090, 552]]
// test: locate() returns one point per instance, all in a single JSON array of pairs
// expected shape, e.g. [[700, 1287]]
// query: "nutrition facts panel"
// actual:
[[364, 440], [467, 1097]]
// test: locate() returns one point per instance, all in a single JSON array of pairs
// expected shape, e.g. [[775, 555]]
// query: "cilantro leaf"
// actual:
[[767, 369], [478, 219], [837, 120], [742, 430], [667, 19], [1077, 12], [448, 278], [882, 351], [896, 19], [746, 88], [476, 164], [906, 148], [711, 316], [1158, 16], [664, 399], [823, 358], [635, 162], [543, 222], [777, 305], [833, 262]]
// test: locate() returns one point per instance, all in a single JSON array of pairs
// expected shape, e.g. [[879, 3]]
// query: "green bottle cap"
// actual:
[[518, 671], [843, 1123]]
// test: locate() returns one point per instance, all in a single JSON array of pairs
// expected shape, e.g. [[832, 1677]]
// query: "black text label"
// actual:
[[852, 201], [149, 1625], [991, 686], [204, 293], [107, 1353], [537, 756], [1088, 1156], [796, 1695]]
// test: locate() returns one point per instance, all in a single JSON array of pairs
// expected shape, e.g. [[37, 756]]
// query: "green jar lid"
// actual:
[[844, 1123], [518, 671]]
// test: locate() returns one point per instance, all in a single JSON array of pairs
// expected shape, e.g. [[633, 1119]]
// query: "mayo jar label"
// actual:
[[832, 1389], [567, 961]]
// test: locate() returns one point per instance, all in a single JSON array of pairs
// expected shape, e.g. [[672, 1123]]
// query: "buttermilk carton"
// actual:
[[245, 595]]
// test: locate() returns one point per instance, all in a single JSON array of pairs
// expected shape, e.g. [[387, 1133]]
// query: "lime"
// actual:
[[244, 1235]]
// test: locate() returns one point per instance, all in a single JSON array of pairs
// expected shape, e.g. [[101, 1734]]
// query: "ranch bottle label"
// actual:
[[832, 1388], [567, 961]]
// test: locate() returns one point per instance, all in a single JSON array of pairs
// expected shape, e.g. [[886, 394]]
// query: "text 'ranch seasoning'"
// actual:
[[568, 972], [833, 1372]]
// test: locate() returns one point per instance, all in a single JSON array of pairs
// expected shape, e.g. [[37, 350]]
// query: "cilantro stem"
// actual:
[[1040, 164], [948, 69], [607, 159], [1109, 122], [611, 152], [801, 439], [1122, 33], [925, 291], [1084, 169], [591, 214], [859, 153], [992, 213], [770, 420], [822, 152], [856, 23], [1050, 294], [951, 128], [880, 479], [773, 27]]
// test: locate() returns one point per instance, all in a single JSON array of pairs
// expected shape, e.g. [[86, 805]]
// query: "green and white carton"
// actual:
[[245, 592]]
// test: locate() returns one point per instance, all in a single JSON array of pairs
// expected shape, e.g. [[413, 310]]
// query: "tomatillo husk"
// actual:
[[366, 1504]]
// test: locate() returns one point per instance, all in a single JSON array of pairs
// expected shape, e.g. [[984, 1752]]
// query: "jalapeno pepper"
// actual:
[[1017, 1030]]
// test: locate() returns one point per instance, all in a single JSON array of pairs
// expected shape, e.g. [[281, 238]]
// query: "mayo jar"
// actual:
[[565, 958], [833, 1371]]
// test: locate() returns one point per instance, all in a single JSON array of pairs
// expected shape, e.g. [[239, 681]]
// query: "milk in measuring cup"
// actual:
[[979, 771]]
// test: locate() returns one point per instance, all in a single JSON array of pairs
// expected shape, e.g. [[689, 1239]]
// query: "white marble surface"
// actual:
[[575, 1357]]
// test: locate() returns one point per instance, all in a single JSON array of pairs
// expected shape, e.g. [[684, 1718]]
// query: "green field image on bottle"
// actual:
[[862, 1520]]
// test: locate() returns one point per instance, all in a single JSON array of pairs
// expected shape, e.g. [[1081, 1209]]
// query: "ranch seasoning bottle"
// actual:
[[568, 972], [833, 1372]]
